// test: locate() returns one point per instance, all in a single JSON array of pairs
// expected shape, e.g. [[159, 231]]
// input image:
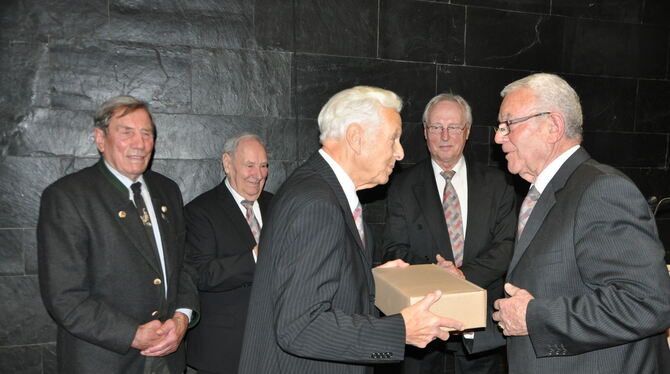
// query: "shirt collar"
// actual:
[[236, 196], [458, 168], [123, 179], [343, 178], [548, 173]]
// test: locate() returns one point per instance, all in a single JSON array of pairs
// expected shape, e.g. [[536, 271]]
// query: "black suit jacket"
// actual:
[[98, 271], [312, 302], [218, 250], [416, 230], [591, 257]]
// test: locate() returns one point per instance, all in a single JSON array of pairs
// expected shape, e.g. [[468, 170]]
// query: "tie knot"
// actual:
[[533, 193], [448, 174], [136, 188], [247, 204]]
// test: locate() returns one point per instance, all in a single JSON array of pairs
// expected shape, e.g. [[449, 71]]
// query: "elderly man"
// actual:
[[110, 249], [452, 210], [312, 303], [224, 225], [588, 288]]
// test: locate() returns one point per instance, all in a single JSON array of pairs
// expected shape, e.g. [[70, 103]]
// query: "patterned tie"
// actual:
[[452, 214], [358, 219], [144, 214], [251, 219], [526, 208]]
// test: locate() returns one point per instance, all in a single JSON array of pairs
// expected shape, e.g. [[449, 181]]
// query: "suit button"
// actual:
[[157, 282], [154, 313]]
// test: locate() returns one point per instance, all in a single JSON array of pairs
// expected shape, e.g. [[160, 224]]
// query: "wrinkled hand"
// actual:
[[171, 333], [398, 263], [146, 335], [511, 311], [422, 326], [444, 264]]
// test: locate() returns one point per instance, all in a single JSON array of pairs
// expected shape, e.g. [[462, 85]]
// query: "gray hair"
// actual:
[[552, 91], [360, 104], [103, 116], [458, 99], [231, 144]]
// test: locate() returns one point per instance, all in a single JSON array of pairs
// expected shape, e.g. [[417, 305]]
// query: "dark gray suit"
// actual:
[[591, 257], [218, 247], [312, 302], [98, 271], [416, 231]]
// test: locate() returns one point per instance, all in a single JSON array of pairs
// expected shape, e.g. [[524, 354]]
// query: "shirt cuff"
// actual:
[[187, 312]]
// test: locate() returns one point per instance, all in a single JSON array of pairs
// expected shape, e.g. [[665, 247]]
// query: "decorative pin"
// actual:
[[164, 209], [122, 213]]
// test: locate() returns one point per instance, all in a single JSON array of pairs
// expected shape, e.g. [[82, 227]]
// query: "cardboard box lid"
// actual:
[[397, 288]]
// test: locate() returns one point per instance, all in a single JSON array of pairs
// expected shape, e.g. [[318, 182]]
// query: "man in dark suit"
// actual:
[[588, 290], [418, 229], [221, 246], [312, 302], [110, 249]]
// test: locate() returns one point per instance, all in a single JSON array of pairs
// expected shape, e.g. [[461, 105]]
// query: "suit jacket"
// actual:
[[416, 232], [218, 249], [99, 275], [591, 257], [312, 301]]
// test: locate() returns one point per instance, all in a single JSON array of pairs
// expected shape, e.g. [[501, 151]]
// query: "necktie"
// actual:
[[526, 208], [144, 214], [251, 219], [358, 219], [452, 214]]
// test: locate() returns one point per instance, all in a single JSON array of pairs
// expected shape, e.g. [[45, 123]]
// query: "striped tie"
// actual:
[[251, 219], [452, 215], [358, 219], [526, 208]]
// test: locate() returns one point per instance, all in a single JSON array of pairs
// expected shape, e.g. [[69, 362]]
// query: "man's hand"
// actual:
[[398, 263], [444, 264], [422, 326], [171, 334], [146, 335], [511, 311]]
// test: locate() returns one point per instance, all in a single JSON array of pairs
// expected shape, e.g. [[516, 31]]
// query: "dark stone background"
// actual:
[[212, 68]]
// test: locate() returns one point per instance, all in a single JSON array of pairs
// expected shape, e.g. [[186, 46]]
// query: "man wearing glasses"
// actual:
[[588, 291], [455, 212]]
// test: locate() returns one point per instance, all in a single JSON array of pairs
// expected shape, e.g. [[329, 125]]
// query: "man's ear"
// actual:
[[99, 137], [226, 161], [354, 136], [556, 127]]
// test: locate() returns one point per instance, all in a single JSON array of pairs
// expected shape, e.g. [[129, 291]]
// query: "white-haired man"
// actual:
[[312, 302], [588, 288]]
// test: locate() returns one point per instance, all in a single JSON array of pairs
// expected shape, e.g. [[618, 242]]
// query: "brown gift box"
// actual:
[[397, 288]]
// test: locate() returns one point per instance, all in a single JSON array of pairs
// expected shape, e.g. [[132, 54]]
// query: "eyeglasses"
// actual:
[[439, 130], [503, 126]]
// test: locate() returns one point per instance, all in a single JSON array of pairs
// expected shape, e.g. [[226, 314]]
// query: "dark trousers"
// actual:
[[437, 358]]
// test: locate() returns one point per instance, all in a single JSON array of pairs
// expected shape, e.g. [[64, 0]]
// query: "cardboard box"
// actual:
[[397, 288]]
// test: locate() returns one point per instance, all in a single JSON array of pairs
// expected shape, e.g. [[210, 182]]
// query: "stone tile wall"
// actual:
[[212, 68]]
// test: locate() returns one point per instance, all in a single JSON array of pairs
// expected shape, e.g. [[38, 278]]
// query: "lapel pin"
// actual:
[[164, 209], [122, 213]]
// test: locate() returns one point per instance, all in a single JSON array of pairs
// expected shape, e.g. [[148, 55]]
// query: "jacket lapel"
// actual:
[[477, 203], [322, 167], [125, 214], [425, 193], [544, 204], [238, 221]]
